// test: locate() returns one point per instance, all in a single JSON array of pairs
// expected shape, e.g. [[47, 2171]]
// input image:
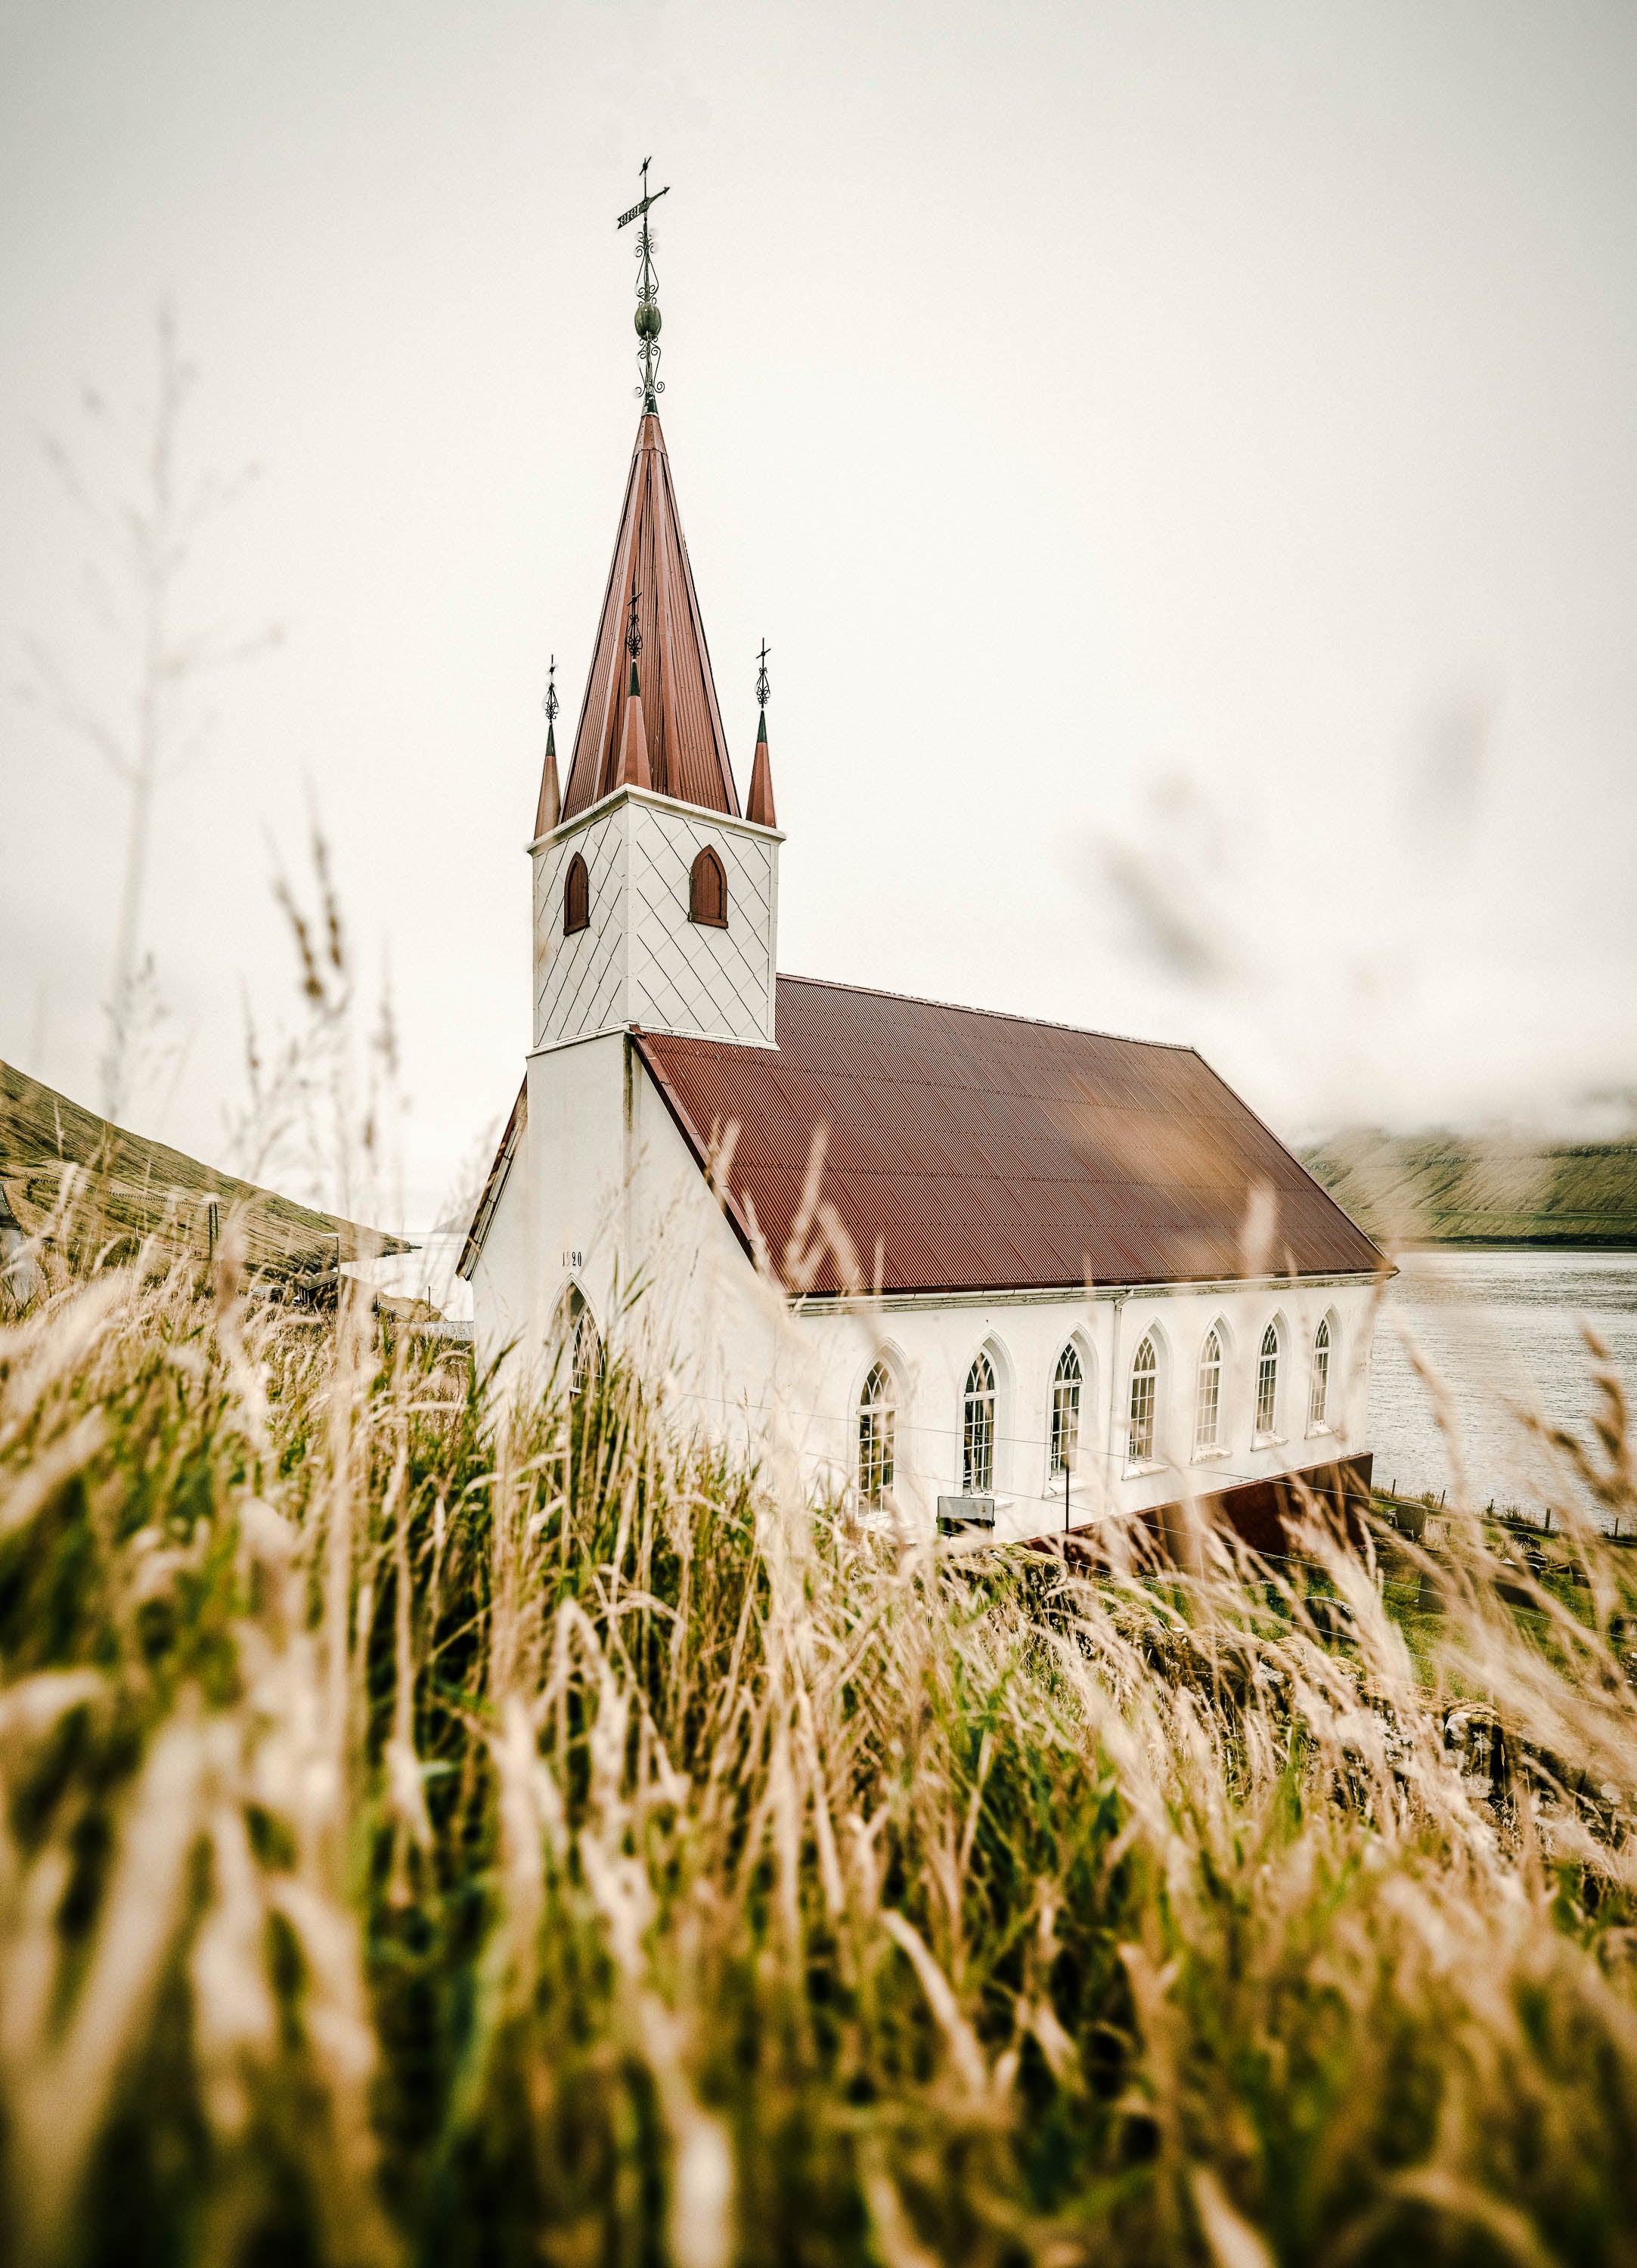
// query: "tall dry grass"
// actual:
[[431, 1838]]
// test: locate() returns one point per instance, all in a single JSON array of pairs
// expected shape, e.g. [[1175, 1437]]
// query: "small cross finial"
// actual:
[[762, 690], [550, 704]]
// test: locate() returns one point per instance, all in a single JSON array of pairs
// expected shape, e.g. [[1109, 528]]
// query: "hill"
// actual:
[[1452, 1189]]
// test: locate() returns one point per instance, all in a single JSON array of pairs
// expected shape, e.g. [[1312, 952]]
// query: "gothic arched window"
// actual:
[[1066, 1385], [876, 1426], [1208, 1394], [977, 1429], [1267, 1380], [576, 896], [585, 1359], [1145, 1382], [707, 891], [1318, 1394]]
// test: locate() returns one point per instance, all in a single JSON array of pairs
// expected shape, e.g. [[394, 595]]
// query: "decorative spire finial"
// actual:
[[550, 704], [759, 805], [647, 296]]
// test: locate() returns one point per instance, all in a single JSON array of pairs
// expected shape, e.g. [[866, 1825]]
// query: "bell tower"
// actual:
[[655, 897]]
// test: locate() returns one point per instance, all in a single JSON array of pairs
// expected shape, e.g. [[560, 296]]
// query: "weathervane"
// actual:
[[550, 704], [762, 687], [647, 294]]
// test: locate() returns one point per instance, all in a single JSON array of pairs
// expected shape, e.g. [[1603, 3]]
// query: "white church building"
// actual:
[[1025, 1275]]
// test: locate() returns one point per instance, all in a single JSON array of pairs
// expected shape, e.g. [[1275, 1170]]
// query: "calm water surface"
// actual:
[[1501, 1329]]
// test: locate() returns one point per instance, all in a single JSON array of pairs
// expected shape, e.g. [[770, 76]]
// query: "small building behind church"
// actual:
[[1024, 1276]]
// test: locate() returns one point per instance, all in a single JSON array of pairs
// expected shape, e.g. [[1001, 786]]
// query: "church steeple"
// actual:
[[759, 808], [655, 901], [650, 590]]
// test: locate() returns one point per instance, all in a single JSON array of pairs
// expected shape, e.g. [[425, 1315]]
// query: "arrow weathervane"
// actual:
[[647, 318]]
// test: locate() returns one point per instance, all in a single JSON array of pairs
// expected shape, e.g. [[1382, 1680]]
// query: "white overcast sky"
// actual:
[[1182, 458]]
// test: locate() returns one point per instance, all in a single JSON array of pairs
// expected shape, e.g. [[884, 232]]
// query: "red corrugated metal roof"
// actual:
[[687, 747], [964, 1151]]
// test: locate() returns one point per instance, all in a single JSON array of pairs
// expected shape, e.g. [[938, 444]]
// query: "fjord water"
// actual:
[[1502, 1331]]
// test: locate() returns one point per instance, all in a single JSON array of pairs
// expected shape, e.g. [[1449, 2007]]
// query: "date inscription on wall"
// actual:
[[573, 1259]]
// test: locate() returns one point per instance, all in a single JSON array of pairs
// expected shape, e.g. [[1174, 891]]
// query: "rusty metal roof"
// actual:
[[687, 747], [916, 1147]]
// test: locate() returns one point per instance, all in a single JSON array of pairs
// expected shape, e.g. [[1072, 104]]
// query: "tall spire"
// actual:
[[647, 317], [687, 748], [759, 806], [550, 806]]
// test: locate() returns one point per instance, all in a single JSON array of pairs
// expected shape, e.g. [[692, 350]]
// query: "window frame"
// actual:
[[1267, 1387], [878, 1428], [977, 1447], [707, 861], [1319, 1378], [1142, 1435], [1069, 1389], [576, 871], [1209, 1371]]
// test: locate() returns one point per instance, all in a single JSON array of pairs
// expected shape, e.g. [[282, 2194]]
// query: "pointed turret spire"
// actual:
[[550, 809], [759, 808]]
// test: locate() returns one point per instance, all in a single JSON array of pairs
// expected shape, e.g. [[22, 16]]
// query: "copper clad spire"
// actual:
[[759, 808], [687, 748]]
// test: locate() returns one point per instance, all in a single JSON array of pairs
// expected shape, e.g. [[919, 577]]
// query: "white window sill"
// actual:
[[1267, 1440], [1209, 1456], [1143, 1468], [1318, 1432]]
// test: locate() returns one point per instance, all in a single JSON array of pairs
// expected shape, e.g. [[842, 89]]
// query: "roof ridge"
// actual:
[[999, 1015]]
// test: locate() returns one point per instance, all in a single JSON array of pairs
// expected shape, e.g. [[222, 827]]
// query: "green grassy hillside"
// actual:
[[1450, 1189]]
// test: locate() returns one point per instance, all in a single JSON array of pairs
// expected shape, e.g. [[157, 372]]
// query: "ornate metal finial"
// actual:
[[647, 295], [762, 689], [550, 704], [633, 634]]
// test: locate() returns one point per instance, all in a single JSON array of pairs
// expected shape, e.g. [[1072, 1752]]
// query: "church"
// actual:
[[1008, 1276]]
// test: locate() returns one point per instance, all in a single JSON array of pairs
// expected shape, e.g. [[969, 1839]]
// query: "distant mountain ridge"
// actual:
[[1453, 1188]]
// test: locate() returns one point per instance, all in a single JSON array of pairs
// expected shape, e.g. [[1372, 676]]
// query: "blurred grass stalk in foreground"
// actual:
[[431, 1834]]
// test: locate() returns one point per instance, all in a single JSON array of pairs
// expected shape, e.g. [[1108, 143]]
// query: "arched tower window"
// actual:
[[1267, 1380], [1065, 1386], [1318, 1394], [977, 1429], [1145, 1382], [1208, 1394], [876, 1428], [707, 891], [576, 896]]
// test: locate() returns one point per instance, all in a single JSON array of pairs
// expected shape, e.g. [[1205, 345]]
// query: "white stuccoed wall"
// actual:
[[608, 1176], [642, 960]]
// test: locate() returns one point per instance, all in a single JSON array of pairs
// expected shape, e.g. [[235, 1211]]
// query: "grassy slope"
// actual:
[[1452, 1189], [422, 1841]]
